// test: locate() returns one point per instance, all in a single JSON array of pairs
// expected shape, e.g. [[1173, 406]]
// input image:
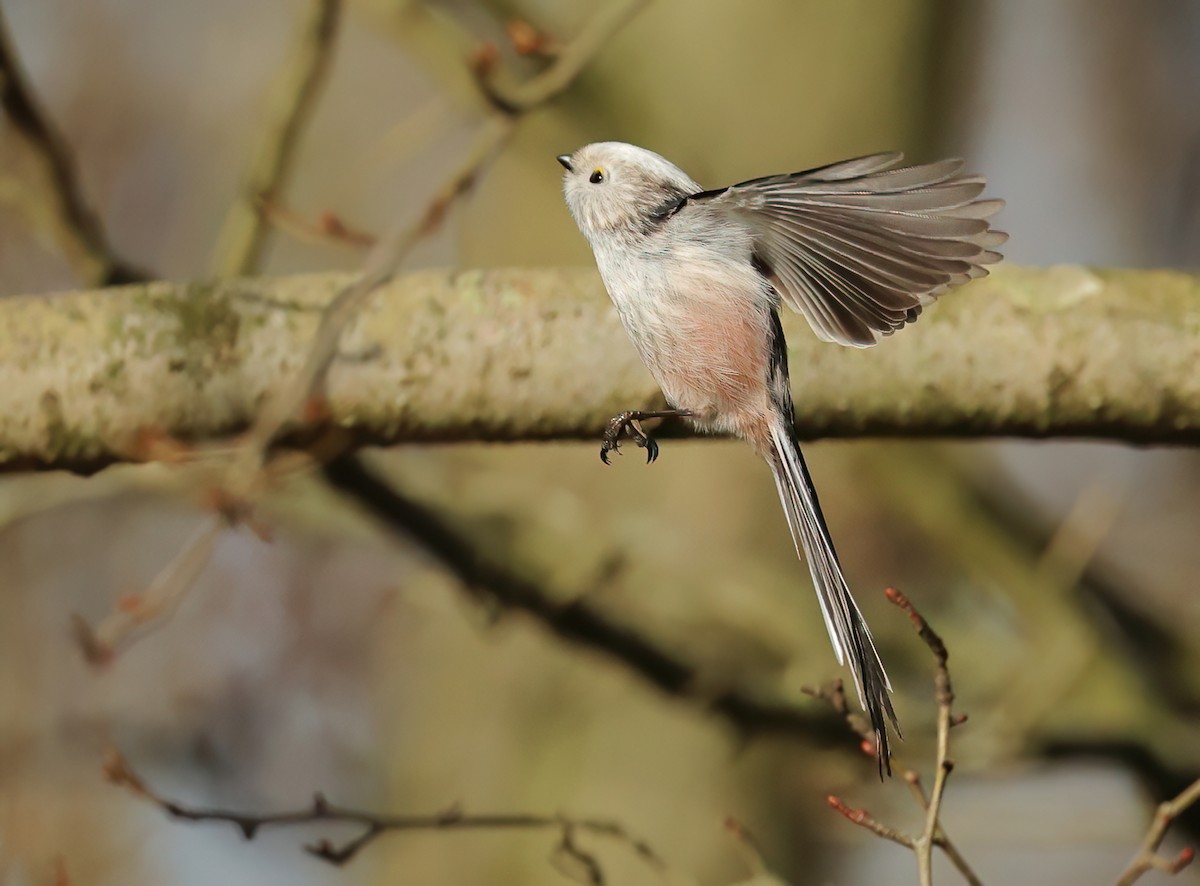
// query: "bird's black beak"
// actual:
[[565, 160]]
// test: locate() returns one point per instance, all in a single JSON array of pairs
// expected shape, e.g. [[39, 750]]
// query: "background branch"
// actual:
[[539, 354], [58, 204]]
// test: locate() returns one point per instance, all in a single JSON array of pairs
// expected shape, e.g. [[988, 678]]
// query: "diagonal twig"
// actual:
[[247, 474], [1148, 857], [328, 228], [135, 614], [74, 225]]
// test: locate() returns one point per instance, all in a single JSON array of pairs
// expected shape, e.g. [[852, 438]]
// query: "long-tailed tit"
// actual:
[[857, 247]]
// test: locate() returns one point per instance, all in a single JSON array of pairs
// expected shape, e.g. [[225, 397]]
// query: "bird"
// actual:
[[698, 277]]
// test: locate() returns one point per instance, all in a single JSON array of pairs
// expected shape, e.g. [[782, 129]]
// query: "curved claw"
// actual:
[[628, 423], [651, 450]]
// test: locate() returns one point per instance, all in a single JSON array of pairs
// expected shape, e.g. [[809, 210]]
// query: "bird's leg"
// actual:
[[631, 423]]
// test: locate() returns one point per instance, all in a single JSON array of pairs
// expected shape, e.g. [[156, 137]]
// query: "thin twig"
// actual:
[[136, 614], [944, 696], [834, 693], [864, 819], [569, 61], [74, 225], [374, 825], [1148, 857], [248, 471], [574, 862], [244, 234], [577, 621]]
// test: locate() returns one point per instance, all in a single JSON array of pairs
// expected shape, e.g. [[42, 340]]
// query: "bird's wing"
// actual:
[[859, 247]]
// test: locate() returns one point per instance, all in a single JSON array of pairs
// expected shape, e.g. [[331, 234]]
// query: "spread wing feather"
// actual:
[[859, 247]]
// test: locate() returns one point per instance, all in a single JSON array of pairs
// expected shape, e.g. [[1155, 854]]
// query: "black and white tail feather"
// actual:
[[848, 631], [847, 628]]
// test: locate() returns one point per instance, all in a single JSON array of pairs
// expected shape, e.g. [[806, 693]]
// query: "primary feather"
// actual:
[[859, 248]]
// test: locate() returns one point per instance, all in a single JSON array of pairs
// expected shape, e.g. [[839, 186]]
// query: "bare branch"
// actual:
[[375, 825], [1148, 857], [72, 223], [243, 236]]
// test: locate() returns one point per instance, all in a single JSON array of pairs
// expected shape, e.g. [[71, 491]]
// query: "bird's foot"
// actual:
[[630, 423]]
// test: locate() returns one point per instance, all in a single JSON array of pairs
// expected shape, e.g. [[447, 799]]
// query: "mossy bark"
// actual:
[[539, 354]]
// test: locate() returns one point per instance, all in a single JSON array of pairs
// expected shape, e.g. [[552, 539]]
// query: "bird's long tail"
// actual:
[[847, 628]]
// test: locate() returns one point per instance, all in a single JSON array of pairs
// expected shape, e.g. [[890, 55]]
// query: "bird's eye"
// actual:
[[597, 176]]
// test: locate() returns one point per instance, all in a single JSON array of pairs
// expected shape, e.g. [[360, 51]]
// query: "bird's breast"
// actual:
[[701, 327]]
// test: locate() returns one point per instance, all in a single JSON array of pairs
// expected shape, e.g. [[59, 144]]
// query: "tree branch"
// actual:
[[59, 204], [540, 354]]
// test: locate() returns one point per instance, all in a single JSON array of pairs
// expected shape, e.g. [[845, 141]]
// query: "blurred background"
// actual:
[[1061, 574]]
